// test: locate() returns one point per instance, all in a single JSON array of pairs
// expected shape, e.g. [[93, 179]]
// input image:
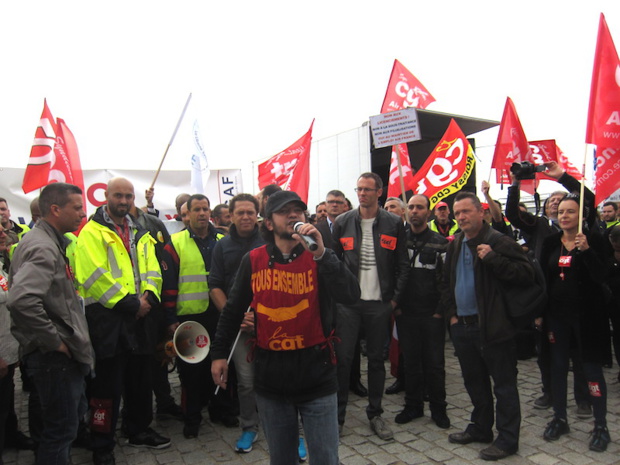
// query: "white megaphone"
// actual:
[[191, 342]]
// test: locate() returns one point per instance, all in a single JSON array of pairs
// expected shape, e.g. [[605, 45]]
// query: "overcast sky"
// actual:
[[119, 72]]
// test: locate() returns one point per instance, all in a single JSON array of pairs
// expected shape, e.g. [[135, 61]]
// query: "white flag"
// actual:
[[200, 166]]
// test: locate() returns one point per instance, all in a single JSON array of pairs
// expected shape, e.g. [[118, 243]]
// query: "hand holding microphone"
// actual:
[[309, 240]]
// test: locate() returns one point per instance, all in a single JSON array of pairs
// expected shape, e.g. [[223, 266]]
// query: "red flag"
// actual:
[[606, 172], [604, 110], [511, 146], [394, 189], [447, 168], [67, 167], [289, 169], [544, 151], [404, 90], [42, 152]]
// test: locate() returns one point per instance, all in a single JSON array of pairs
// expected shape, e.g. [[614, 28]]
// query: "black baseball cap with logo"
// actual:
[[280, 199]]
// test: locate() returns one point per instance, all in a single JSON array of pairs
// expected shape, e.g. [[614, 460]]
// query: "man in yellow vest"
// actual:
[[185, 266], [120, 280], [442, 223], [14, 230]]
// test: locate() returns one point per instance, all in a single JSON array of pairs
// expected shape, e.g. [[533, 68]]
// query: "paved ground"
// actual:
[[419, 442]]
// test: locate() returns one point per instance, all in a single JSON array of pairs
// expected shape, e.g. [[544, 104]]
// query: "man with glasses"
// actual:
[[372, 243], [336, 205]]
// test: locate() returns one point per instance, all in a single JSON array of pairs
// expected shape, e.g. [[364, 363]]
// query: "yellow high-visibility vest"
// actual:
[[104, 270], [193, 296]]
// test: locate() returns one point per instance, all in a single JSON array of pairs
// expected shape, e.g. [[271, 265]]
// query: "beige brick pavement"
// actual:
[[419, 442]]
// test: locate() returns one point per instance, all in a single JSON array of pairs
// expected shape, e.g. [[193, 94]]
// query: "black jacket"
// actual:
[[537, 228], [227, 255], [588, 308], [506, 262], [298, 375], [326, 233], [425, 286], [390, 243]]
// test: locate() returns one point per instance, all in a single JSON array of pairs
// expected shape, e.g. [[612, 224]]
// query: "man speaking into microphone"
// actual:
[[292, 292]]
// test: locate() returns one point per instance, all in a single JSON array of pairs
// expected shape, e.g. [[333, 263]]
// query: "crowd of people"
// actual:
[[290, 300]]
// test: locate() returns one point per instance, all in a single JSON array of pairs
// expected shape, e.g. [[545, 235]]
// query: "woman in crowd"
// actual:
[[576, 318]]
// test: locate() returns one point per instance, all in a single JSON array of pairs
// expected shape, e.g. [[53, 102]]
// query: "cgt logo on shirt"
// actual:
[[347, 243], [388, 242], [282, 341]]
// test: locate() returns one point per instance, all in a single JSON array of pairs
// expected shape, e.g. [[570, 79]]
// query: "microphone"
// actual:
[[310, 242]]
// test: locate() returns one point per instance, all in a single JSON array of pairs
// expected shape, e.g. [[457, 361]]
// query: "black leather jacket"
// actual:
[[390, 243], [426, 258]]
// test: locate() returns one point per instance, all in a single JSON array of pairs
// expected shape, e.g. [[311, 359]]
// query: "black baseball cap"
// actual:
[[279, 199]]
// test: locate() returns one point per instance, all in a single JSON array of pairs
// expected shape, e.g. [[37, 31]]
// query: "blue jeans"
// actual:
[[59, 382], [479, 365], [374, 317], [280, 424]]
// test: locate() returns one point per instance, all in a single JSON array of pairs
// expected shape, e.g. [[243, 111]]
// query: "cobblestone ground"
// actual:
[[419, 442]]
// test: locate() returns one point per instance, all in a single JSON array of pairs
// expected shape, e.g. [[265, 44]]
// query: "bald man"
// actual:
[[120, 280]]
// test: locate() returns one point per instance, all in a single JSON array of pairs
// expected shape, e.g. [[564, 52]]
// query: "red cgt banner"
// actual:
[[447, 168]]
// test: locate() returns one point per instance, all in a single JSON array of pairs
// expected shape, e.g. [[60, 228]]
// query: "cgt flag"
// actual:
[[511, 145], [544, 151], [289, 169], [42, 153], [606, 172], [603, 127], [67, 166], [394, 187], [54, 156], [447, 168], [404, 90]]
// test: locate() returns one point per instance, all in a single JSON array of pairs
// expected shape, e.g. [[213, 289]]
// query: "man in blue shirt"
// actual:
[[483, 335]]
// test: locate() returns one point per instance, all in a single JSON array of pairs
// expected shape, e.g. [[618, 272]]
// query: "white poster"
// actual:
[[222, 186]]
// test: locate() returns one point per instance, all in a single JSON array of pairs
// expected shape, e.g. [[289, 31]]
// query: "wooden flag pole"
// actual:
[[171, 140], [400, 175], [582, 190]]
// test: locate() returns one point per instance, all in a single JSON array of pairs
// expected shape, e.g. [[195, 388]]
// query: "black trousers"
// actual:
[[480, 365], [8, 420], [422, 341], [125, 376]]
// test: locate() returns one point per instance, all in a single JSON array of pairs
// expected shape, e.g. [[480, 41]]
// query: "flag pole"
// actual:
[[582, 190], [171, 140], [400, 175], [490, 172], [232, 350]]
